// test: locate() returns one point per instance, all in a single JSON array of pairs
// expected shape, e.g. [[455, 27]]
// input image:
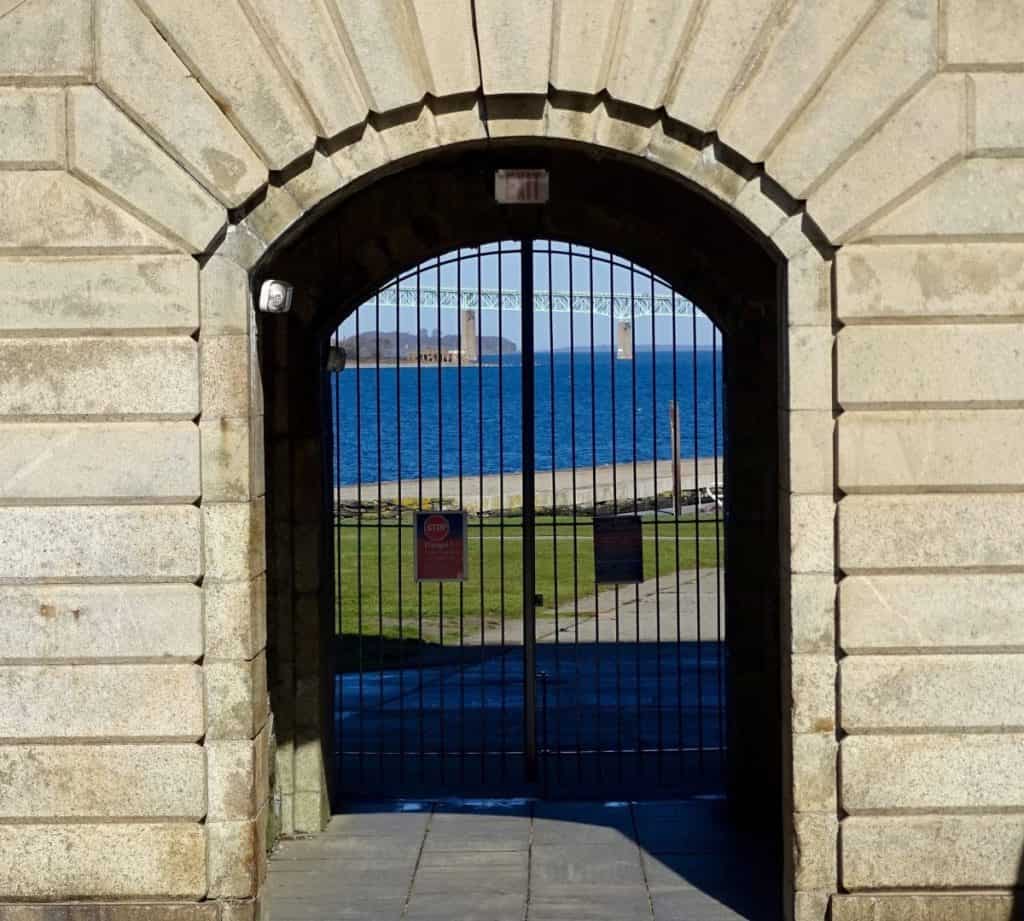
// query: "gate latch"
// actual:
[[538, 601]]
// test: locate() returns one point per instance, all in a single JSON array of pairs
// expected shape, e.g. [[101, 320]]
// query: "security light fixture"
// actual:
[[276, 296]]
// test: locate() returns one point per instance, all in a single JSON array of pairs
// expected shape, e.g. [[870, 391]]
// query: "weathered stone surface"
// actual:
[[46, 41], [944, 852], [810, 38], [937, 281], [923, 366], [809, 290], [877, 533], [891, 55], [813, 693], [55, 862], [758, 208], [515, 44], [85, 462], [227, 459], [102, 782], [811, 467], [233, 66], [582, 40], [234, 539], [811, 906], [998, 126], [117, 155], [238, 771], [137, 68], [99, 377], [703, 167], [977, 197], [791, 239], [984, 31], [933, 612], [236, 698], [310, 187], [930, 450], [717, 56], [310, 44], [224, 300], [144, 702], [236, 861], [151, 293], [615, 132], [446, 30], [387, 49], [931, 773], [236, 618], [242, 246], [960, 906], [924, 136], [32, 129], [79, 623], [812, 612], [45, 209], [646, 50], [404, 136], [117, 911], [812, 533], [275, 214], [940, 692], [129, 543], [809, 367], [815, 859], [224, 362], [814, 772]]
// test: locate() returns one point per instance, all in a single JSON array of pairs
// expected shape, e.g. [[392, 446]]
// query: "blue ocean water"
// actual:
[[583, 414]]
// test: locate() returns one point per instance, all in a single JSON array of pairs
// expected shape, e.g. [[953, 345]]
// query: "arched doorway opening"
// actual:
[[444, 203], [529, 530]]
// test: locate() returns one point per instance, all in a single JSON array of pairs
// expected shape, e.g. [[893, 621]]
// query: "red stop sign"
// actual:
[[435, 528]]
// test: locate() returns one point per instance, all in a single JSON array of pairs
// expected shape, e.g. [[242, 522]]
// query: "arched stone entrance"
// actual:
[[150, 165]]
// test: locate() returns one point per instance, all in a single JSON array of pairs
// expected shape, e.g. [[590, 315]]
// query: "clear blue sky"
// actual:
[[559, 271]]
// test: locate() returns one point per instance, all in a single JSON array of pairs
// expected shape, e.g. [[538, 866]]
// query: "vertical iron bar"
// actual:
[[718, 552], [419, 506], [696, 542], [636, 511], [462, 507], [399, 538], [339, 605], [528, 518], [501, 505], [575, 522], [359, 541], [380, 532], [554, 478], [657, 531], [440, 507], [676, 517], [615, 512], [480, 514], [593, 515]]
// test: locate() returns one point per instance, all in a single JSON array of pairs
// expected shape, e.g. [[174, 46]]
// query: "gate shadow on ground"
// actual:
[[462, 860], [614, 720]]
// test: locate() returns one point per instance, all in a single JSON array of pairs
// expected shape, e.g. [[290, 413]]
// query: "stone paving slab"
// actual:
[[518, 860]]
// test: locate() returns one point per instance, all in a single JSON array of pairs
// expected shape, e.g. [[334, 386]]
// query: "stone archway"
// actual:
[[148, 164]]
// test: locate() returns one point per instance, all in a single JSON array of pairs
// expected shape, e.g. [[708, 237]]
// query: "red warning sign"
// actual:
[[440, 542]]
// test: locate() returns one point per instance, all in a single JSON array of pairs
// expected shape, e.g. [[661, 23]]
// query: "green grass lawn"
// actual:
[[377, 580]]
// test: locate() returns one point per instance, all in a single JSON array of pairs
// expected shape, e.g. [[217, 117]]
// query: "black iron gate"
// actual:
[[546, 390]]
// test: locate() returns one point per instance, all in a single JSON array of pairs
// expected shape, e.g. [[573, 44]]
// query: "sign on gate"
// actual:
[[440, 546], [618, 549]]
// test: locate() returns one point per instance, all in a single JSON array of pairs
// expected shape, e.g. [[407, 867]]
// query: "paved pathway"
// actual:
[[527, 861]]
